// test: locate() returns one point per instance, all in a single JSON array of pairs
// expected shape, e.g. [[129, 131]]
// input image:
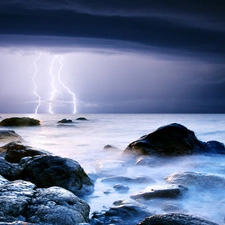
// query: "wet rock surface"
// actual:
[[123, 213], [173, 140], [166, 192], [175, 219], [198, 180], [19, 121], [46, 171], [22, 203]]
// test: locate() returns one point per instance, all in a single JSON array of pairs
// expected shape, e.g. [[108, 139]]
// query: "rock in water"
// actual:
[[9, 135], [65, 121], [171, 140], [22, 203], [175, 219], [16, 151], [17, 121], [47, 171]]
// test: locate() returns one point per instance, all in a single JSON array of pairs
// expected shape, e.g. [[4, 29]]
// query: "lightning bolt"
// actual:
[[34, 64], [54, 90], [64, 86], [55, 86]]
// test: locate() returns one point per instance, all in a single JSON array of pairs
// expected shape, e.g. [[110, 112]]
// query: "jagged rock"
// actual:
[[47, 170], [22, 203], [16, 151], [164, 192], [199, 180], [9, 136], [65, 121], [20, 121], [123, 213], [171, 140], [175, 219], [10, 171]]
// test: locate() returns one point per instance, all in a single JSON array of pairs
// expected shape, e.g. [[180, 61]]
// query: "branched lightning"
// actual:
[[54, 90], [55, 86], [64, 86], [34, 64]]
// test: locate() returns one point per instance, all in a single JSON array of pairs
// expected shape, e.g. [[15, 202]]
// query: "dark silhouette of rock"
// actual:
[[175, 219], [22, 203], [65, 121], [199, 180], [110, 147], [9, 136], [20, 121], [167, 192], [123, 213], [47, 171], [81, 118], [173, 140], [16, 151]]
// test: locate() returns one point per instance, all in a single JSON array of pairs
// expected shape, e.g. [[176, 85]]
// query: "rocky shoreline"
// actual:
[[37, 187]]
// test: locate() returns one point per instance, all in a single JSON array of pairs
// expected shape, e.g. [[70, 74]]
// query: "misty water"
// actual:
[[84, 141]]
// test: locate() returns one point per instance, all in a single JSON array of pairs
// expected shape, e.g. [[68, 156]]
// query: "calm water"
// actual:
[[84, 141]]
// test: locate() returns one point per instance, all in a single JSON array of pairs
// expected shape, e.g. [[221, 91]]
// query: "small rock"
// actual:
[[65, 121]]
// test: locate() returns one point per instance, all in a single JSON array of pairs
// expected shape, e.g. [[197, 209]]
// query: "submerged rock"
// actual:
[[65, 121], [173, 140], [123, 213], [20, 121], [9, 136], [167, 192], [130, 180], [22, 203], [175, 219], [199, 180], [47, 170], [81, 118]]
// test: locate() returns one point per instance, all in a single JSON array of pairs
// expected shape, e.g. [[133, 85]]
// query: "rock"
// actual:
[[125, 213], [215, 147], [17, 121], [10, 171], [81, 118], [121, 188], [22, 203], [65, 121], [130, 180], [171, 140], [110, 147], [16, 151], [47, 170], [175, 219], [57, 206], [168, 207], [9, 136], [198, 180], [166, 192]]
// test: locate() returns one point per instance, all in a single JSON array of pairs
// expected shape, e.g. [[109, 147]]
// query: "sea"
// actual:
[[84, 141]]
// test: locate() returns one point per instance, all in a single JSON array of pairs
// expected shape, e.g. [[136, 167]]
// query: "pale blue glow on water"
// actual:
[[84, 141]]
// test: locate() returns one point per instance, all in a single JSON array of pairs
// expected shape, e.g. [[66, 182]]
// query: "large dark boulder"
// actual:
[[122, 213], [47, 171], [20, 121], [22, 203], [171, 140], [175, 219], [15, 151]]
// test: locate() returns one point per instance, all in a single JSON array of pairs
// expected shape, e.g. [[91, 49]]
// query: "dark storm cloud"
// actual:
[[174, 26]]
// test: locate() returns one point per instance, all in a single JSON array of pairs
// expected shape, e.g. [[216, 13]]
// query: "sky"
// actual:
[[114, 56]]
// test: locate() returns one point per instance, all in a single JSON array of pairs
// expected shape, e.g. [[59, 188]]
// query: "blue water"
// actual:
[[84, 141]]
